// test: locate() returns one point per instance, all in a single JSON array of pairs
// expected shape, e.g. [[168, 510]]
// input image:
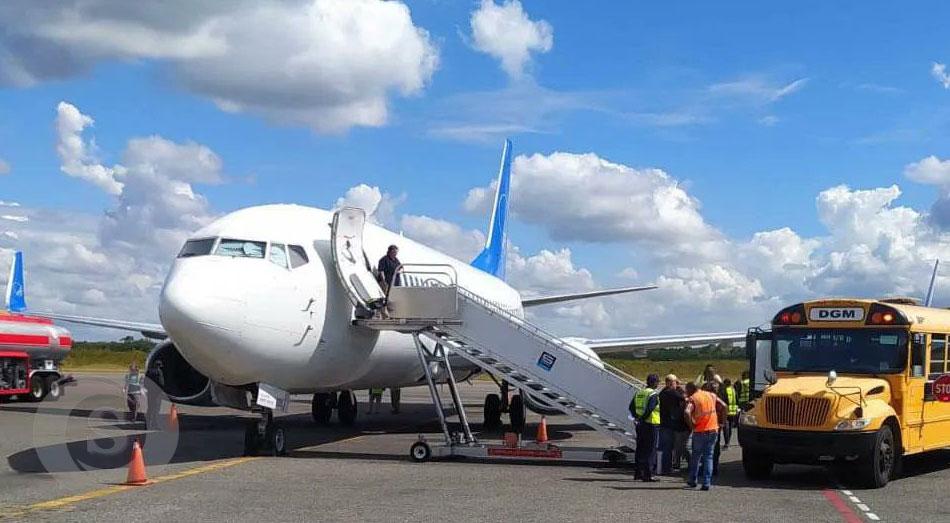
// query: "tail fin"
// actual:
[[933, 286], [492, 258], [16, 292]]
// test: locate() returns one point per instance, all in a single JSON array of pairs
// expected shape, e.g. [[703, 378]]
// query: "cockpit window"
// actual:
[[240, 248], [197, 248], [277, 255], [298, 256]]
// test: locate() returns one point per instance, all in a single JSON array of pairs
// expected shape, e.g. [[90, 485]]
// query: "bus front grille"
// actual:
[[806, 412]]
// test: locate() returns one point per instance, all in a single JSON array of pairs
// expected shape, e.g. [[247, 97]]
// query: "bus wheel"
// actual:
[[756, 465], [878, 468]]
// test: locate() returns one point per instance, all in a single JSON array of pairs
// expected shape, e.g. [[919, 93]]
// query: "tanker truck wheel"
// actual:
[[39, 388]]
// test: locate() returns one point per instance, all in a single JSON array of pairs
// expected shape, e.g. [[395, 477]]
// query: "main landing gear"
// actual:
[[496, 404], [344, 402], [264, 434]]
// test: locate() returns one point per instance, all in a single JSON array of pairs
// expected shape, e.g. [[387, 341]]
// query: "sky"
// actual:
[[741, 156]]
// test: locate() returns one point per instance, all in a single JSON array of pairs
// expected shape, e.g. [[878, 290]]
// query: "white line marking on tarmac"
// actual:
[[861, 505]]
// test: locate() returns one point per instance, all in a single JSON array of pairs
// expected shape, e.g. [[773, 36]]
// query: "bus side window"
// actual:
[[918, 354]]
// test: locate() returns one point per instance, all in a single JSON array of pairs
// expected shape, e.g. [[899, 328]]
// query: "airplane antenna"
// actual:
[[933, 285]]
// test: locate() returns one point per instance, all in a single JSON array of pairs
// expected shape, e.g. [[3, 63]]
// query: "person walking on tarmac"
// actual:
[[646, 411], [727, 393], [672, 423], [701, 416], [743, 390], [375, 400]]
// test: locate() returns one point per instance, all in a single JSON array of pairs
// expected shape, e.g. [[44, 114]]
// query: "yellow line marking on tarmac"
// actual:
[[94, 494]]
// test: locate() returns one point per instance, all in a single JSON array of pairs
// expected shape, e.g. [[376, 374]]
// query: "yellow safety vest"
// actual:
[[731, 397], [640, 406], [744, 395], [375, 391]]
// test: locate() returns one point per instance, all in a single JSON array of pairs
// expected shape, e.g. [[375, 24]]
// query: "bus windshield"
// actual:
[[859, 351]]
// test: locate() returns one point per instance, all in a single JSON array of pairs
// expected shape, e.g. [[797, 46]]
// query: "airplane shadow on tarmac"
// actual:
[[207, 437]]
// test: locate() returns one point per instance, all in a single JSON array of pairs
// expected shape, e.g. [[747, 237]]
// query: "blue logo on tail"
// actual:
[[492, 258], [16, 295]]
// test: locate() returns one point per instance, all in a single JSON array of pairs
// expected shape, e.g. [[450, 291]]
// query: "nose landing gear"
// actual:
[[264, 434]]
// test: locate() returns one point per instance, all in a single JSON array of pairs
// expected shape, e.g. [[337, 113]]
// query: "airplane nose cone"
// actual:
[[202, 308]]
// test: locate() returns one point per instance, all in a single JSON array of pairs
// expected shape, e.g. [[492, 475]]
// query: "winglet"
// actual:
[[16, 295], [933, 285], [492, 258]]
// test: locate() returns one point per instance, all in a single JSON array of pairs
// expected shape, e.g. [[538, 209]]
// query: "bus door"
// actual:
[[915, 398], [758, 346], [935, 431]]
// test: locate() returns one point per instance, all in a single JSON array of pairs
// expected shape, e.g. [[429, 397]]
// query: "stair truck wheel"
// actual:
[[277, 440], [321, 407], [756, 465], [492, 418], [877, 468], [346, 408], [420, 452], [516, 414]]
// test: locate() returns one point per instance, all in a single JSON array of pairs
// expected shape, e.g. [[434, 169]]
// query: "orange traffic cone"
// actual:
[[173, 418], [137, 467], [543, 431]]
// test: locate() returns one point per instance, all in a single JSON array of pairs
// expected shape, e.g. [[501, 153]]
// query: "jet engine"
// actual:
[[183, 384]]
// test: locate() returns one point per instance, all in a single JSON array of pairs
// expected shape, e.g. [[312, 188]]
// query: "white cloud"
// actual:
[[756, 89], [939, 71], [769, 120], [443, 236], [506, 33], [327, 64], [380, 207], [9, 204], [931, 170], [584, 197], [4, 167], [14, 218], [77, 156]]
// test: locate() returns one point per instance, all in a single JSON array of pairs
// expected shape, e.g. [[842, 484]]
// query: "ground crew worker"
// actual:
[[646, 411], [743, 388], [388, 266], [701, 415], [672, 425], [394, 396], [375, 400], [732, 402], [133, 391]]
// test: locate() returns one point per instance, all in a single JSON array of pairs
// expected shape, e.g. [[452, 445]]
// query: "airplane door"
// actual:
[[758, 344], [346, 245]]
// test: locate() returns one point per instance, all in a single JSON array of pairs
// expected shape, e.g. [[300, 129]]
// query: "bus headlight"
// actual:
[[853, 424], [748, 419]]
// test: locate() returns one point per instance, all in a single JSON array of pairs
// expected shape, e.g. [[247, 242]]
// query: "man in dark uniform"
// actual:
[[387, 267]]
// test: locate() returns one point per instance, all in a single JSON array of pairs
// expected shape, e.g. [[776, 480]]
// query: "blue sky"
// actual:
[[752, 108]]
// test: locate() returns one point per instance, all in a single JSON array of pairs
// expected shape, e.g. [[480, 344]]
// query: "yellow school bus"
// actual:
[[846, 382]]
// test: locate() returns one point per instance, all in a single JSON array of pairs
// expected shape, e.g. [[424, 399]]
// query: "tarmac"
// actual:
[[66, 461]]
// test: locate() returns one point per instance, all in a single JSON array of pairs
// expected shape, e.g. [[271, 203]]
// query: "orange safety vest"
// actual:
[[704, 412]]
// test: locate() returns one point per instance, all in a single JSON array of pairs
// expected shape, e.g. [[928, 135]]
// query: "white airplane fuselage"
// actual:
[[241, 320]]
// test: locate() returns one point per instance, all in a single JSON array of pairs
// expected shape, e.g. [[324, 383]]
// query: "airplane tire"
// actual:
[[516, 414], [346, 408], [321, 407], [492, 417]]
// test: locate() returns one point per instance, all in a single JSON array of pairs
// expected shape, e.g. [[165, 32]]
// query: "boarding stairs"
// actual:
[[430, 304]]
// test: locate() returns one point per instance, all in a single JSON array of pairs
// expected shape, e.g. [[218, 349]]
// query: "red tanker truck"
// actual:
[[44, 345]]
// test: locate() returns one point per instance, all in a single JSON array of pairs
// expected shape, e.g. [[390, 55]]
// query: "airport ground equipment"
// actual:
[[46, 345], [430, 304], [14, 374]]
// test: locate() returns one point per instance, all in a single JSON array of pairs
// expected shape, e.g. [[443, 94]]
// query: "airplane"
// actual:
[[252, 306]]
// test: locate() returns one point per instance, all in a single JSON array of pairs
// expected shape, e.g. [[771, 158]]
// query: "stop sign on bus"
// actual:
[[942, 388]]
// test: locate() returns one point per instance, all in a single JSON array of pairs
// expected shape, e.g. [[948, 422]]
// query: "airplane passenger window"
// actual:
[[196, 248], [240, 248], [298, 256], [277, 255]]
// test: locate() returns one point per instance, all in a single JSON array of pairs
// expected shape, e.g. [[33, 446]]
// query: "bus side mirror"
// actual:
[[770, 376]]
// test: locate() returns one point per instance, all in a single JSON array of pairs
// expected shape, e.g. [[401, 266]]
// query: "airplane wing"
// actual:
[[641, 343], [544, 300], [154, 331]]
